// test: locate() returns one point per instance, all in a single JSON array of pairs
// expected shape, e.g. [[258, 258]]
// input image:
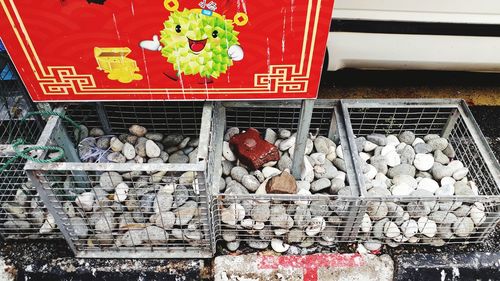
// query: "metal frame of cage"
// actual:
[[130, 235], [301, 117], [22, 214], [450, 119]]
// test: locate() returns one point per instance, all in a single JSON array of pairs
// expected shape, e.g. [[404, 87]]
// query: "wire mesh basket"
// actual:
[[426, 172], [22, 214], [152, 204], [246, 218]]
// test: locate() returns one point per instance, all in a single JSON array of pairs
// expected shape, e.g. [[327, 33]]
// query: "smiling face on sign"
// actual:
[[195, 43]]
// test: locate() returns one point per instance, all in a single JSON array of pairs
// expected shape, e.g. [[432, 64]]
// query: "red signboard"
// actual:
[[87, 50]]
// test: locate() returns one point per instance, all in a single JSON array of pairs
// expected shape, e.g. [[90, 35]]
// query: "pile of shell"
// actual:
[[314, 216], [137, 208], [24, 215], [420, 170]]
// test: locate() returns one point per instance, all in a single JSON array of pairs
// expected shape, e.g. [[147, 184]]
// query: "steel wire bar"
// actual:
[[145, 207], [429, 218], [259, 221], [22, 214]]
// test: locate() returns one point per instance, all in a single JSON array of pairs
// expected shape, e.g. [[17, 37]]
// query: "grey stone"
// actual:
[[320, 184], [378, 192], [405, 179], [109, 180], [115, 144], [431, 137], [423, 148], [320, 206], [130, 139], [407, 155], [438, 143], [140, 147], [96, 132], [329, 170], [82, 133], [181, 195], [154, 136], [401, 169], [439, 171], [377, 139], [193, 156], [302, 216], [235, 188], [377, 210], [184, 143], [270, 136], [460, 173], [336, 185], [295, 235], [396, 212], [80, 227], [178, 157], [226, 167], [360, 143], [378, 228], [260, 212], [172, 140], [407, 137], [116, 157], [309, 146], [462, 211], [133, 237], [259, 245], [462, 189], [222, 184], [340, 164], [443, 217], [103, 143], [155, 235], [238, 172], [440, 157], [259, 175], [185, 213], [463, 227], [286, 144], [284, 134], [194, 142], [380, 163], [449, 151], [230, 133], [165, 220], [285, 162], [250, 182], [152, 149], [322, 144], [418, 208], [138, 130], [163, 202]]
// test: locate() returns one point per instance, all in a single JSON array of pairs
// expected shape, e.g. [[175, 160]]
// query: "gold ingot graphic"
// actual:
[[115, 62]]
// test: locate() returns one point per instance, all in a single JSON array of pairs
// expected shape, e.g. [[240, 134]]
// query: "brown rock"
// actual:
[[282, 184], [252, 150]]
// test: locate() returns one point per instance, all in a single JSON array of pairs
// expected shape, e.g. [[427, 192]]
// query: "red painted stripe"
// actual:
[[311, 263]]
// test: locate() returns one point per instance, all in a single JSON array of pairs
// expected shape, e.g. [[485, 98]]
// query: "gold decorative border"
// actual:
[[64, 80]]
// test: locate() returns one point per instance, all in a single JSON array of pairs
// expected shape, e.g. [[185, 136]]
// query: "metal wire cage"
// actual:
[[157, 209], [22, 215], [278, 221], [435, 217]]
